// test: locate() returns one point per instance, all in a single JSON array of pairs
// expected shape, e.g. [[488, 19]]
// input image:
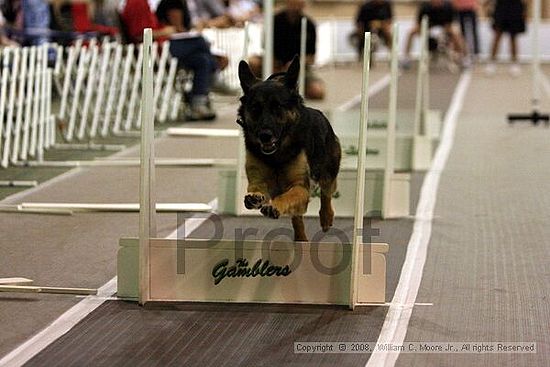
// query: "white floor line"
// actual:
[[399, 313], [375, 88], [75, 314]]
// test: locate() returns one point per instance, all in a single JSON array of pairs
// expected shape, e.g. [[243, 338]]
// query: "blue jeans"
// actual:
[[36, 14], [194, 54]]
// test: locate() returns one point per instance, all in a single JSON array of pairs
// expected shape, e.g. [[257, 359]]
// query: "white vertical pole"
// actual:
[[135, 88], [36, 103], [360, 188], [390, 131], [160, 75], [90, 88], [114, 72], [28, 104], [122, 98], [4, 90], [105, 58], [303, 37], [267, 64], [14, 76], [167, 91], [147, 223], [49, 115], [42, 131], [20, 104], [71, 60], [536, 55], [420, 80], [80, 74]]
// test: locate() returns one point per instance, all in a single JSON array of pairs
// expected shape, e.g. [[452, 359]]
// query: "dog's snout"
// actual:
[[265, 136]]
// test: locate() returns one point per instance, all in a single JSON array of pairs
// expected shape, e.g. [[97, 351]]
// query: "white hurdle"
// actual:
[[157, 270]]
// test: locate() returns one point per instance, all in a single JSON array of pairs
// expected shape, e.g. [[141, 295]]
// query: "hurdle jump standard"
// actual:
[[538, 79], [148, 267]]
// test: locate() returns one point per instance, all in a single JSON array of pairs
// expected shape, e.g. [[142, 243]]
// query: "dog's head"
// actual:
[[269, 109]]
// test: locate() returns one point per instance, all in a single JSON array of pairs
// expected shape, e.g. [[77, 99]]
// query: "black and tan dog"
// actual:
[[287, 144]]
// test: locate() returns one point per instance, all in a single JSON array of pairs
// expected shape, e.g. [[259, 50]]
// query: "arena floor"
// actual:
[[484, 278]]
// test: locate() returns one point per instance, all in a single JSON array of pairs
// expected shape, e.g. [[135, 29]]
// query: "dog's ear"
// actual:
[[246, 76], [291, 78]]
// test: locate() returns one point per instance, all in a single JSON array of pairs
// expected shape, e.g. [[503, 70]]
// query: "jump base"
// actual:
[[286, 272]]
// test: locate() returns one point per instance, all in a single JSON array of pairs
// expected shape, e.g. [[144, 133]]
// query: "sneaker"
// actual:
[[200, 110], [490, 69], [515, 70], [405, 64]]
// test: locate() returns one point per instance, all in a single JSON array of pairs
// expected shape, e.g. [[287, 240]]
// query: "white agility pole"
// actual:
[[159, 162], [165, 102], [419, 111], [303, 39], [28, 104], [117, 207], [42, 115], [80, 75], [114, 75], [49, 114], [57, 68], [103, 72], [161, 69], [14, 76], [4, 91], [135, 89], [122, 97], [361, 166], [147, 219], [20, 104], [53, 290], [390, 131], [17, 183], [91, 85], [67, 84], [267, 64], [198, 132]]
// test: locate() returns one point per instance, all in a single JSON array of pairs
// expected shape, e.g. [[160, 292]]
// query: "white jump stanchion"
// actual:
[[20, 104], [105, 58], [267, 64], [14, 76], [4, 92], [117, 207], [28, 104], [536, 75], [135, 89], [80, 75], [422, 149], [71, 60], [168, 89], [159, 162], [23, 285], [390, 131], [114, 75], [42, 129], [361, 167], [303, 39], [91, 85], [122, 98], [147, 220]]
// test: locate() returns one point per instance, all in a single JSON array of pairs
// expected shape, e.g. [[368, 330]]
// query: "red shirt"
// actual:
[[82, 22], [137, 16]]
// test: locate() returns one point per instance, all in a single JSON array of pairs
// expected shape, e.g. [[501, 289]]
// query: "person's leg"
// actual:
[[473, 20], [496, 43], [413, 33], [457, 42], [513, 48], [193, 56]]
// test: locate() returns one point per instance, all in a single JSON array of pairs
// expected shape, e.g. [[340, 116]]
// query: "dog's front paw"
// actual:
[[270, 211], [326, 217], [254, 200]]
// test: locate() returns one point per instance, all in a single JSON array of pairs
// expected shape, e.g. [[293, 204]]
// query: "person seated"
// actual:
[[82, 12], [440, 14], [209, 14], [176, 13], [286, 44], [192, 53], [374, 16]]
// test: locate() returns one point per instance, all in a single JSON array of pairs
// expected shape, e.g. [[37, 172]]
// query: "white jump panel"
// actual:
[[287, 272]]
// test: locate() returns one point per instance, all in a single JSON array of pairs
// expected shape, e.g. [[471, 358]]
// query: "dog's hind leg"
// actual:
[[299, 229], [326, 213]]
